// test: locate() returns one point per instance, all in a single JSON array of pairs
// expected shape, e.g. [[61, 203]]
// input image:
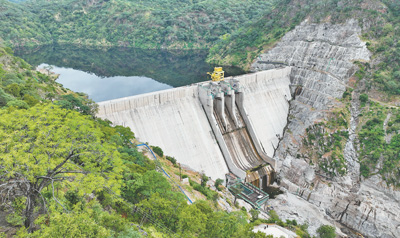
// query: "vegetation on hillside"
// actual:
[[140, 24], [379, 136], [383, 40], [22, 87], [21, 27], [325, 143]]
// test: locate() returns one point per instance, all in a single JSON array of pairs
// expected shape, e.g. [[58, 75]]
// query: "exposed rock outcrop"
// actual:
[[322, 57]]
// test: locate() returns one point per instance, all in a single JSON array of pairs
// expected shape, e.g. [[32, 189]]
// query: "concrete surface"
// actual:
[[266, 96], [175, 120], [274, 230]]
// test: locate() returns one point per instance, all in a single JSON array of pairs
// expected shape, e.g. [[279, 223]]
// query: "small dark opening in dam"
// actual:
[[272, 191], [111, 73]]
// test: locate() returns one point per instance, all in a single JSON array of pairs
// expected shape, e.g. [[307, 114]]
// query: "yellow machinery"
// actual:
[[217, 75]]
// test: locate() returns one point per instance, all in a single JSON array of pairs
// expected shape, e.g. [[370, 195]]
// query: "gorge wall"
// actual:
[[322, 57]]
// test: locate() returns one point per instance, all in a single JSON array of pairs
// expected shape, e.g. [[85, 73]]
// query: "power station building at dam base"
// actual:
[[230, 126]]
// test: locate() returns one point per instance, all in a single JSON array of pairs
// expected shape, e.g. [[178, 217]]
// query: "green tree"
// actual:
[[158, 151], [223, 224], [218, 182], [192, 222], [14, 89], [71, 225], [164, 210], [18, 104], [139, 187], [254, 214], [236, 191], [81, 104], [30, 100], [326, 231], [273, 217], [5, 98], [204, 180], [46, 146], [363, 98]]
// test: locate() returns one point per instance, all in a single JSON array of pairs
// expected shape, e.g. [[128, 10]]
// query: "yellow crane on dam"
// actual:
[[217, 75]]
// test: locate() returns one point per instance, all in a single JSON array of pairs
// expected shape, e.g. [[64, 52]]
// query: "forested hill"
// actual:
[[141, 24]]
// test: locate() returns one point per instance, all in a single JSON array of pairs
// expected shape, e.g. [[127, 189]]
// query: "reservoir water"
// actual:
[[105, 88], [106, 74]]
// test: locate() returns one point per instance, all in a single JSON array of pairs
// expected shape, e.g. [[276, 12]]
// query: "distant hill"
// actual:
[[20, 26], [17, 1], [142, 24]]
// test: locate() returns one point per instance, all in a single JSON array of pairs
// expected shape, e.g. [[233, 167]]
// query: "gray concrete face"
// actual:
[[175, 121], [266, 104], [182, 121]]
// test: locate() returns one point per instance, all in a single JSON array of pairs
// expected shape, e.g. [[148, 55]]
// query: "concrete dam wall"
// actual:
[[232, 129]]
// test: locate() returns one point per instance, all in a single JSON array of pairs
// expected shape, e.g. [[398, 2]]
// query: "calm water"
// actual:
[[105, 88], [121, 72]]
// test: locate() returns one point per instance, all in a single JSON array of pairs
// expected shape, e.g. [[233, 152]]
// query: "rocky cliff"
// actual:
[[322, 57]]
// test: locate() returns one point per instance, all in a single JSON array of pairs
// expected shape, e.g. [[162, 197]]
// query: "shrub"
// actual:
[[254, 214], [273, 217], [14, 89], [5, 98], [363, 98], [211, 195], [15, 219], [204, 180], [326, 231], [18, 104], [158, 151], [30, 100], [172, 159], [217, 183]]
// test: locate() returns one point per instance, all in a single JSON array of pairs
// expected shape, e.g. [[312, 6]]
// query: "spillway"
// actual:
[[232, 130], [223, 104]]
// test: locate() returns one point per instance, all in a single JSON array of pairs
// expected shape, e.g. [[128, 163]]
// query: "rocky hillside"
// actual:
[[339, 155]]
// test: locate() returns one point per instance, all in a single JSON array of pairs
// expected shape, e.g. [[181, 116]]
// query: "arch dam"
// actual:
[[232, 126]]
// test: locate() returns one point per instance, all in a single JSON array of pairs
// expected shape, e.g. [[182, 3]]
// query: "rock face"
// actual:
[[322, 57]]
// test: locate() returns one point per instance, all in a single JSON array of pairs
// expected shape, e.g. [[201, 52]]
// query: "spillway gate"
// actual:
[[223, 104]]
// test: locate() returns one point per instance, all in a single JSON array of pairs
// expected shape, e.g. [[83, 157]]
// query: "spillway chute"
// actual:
[[223, 104]]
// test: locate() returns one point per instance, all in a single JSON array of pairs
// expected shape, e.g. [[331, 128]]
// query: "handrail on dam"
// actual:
[[164, 170]]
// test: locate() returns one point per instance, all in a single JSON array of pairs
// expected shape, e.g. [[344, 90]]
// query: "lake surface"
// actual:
[[121, 72], [105, 88]]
